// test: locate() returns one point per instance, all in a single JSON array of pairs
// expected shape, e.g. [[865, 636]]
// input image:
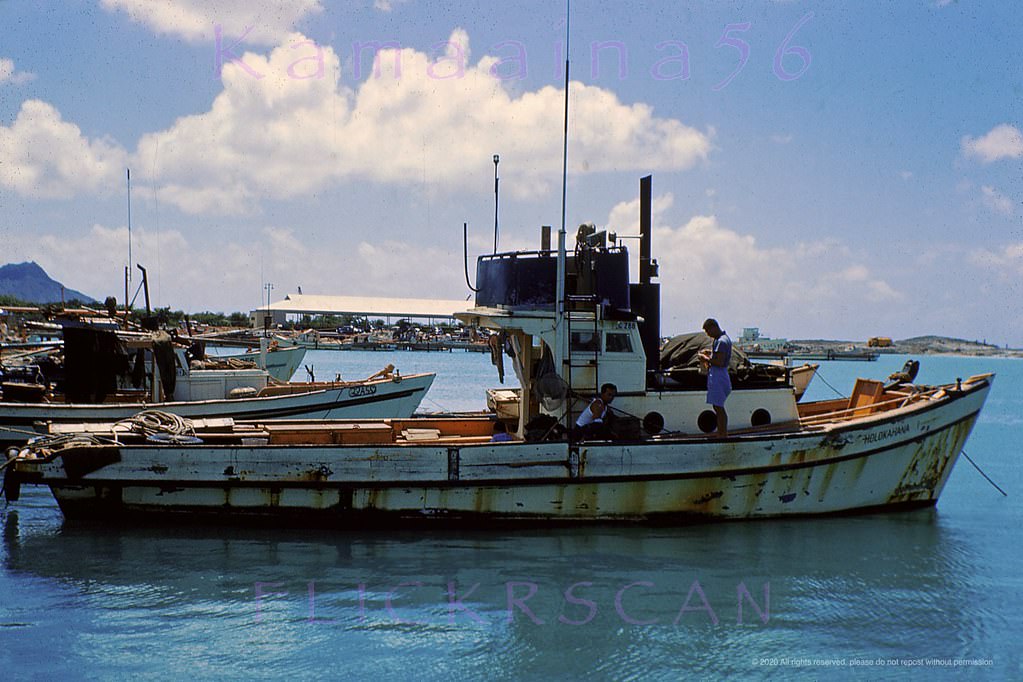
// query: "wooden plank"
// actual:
[[364, 433], [220, 424], [450, 427], [420, 434], [301, 438], [866, 393]]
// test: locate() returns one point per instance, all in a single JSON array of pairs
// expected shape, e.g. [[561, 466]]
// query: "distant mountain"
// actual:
[[29, 282]]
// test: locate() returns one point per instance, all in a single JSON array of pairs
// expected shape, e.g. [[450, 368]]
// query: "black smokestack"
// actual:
[[646, 296], [645, 192]]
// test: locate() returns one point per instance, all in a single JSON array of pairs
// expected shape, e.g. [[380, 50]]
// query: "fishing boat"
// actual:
[[315, 340], [108, 376], [567, 324], [279, 360]]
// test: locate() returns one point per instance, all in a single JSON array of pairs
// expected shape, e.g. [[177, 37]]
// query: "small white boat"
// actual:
[[313, 339], [95, 392], [280, 361]]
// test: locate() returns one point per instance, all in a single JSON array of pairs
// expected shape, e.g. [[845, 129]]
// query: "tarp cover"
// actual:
[[683, 351], [679, 360]]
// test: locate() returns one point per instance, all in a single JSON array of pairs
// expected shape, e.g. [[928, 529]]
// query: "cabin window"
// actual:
[[619, 343], [585, 342]]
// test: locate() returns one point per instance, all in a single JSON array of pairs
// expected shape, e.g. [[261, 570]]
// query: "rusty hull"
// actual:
[[895, 459]]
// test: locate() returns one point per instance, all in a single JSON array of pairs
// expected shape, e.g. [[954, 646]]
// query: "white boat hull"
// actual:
[[281, 363], [899, 458], [384, 398]]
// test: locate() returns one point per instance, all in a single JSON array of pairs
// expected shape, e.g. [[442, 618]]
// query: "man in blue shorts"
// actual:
[[719, 384]]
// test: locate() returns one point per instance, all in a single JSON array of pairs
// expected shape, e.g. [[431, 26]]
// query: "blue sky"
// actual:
[[875, 190]]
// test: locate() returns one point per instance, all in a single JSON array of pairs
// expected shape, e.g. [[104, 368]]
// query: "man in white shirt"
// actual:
[[591, 423]]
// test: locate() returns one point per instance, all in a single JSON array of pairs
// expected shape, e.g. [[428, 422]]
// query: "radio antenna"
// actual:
[[564, 149], [128, 170], [561, 351]]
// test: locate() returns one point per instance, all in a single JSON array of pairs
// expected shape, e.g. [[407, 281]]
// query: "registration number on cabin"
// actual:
[[359, 391]]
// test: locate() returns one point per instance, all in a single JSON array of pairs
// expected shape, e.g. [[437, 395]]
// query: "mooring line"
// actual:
[[817, 373], [21, 431], [986, 477]]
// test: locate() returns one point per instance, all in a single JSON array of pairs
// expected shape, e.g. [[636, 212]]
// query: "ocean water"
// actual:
[[909, 595]]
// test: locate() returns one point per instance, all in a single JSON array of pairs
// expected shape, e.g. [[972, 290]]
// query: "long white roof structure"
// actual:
[[310, 304]]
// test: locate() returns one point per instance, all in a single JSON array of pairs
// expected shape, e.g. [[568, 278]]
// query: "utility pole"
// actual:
[[266, 318]]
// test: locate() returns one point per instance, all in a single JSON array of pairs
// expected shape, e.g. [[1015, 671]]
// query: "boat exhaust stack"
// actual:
[[647, 266], [646, 296]]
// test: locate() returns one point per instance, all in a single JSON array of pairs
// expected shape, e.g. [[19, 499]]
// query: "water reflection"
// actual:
[[134, 602], [611, 601]]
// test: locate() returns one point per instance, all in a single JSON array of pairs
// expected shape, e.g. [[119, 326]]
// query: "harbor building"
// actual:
[[294, 306]]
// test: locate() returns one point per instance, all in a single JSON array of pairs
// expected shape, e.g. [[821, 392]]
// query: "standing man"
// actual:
[[719, 384]]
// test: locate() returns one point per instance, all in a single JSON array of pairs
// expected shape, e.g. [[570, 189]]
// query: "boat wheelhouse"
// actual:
[[612, 334]]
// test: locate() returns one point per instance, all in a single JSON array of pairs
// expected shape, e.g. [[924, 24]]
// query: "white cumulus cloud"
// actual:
[[286, 125], [995, 200], [1007, 260], [8, 74], [193, 274], [44, 156], [386, 5], [261, 22], [1001, 142], [707, 269]]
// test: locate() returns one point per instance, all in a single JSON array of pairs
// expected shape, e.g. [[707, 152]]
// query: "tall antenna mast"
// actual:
[[560, 336], [564, 149], [129, 223]]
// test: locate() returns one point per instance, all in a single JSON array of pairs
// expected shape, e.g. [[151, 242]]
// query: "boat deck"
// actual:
[[869, 399]]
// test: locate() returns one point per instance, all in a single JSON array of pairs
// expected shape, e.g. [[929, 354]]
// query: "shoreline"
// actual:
[[1009, 354], [928, 345]]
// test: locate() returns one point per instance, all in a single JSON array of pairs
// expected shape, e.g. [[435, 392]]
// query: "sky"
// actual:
[[820, 169]]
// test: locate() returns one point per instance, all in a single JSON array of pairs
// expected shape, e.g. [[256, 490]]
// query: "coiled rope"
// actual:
[[152, 422], [42, 447]]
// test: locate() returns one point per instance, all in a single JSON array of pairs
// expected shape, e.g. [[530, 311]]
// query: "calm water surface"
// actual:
[[906, 595]]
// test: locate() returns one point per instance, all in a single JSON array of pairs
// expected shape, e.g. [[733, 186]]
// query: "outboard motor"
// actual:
[[907, 374]]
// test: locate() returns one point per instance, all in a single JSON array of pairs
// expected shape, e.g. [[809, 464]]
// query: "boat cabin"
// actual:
[[607, 330]]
